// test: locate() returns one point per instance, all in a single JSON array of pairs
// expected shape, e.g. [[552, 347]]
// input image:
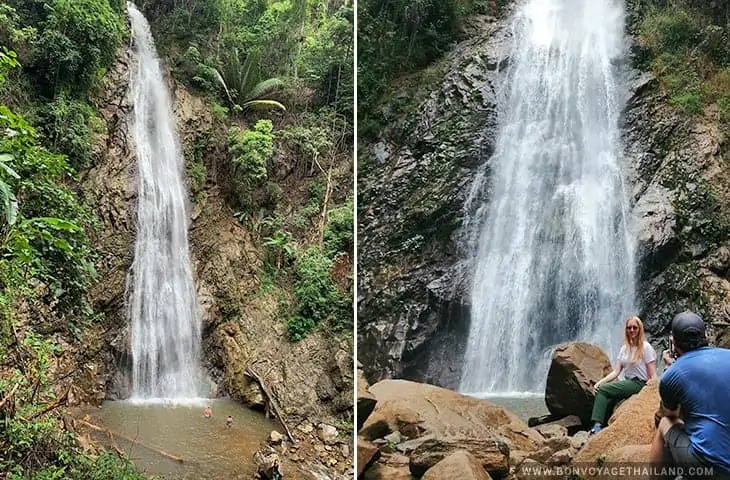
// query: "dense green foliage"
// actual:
[[46, 258], [686, 44], [396, 37], [291, 61], [77, 42], [246, 51], [33, 444]]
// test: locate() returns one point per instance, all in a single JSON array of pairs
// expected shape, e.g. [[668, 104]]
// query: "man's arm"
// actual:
[[669, 394]]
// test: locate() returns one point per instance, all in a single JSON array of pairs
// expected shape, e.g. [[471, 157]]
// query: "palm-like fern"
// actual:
[[240, 81]]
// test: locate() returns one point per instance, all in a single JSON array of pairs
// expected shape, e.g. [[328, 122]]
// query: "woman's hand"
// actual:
[[596, 387]]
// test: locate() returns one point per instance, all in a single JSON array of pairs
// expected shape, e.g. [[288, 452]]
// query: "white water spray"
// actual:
[[163, 307], [554, 259]]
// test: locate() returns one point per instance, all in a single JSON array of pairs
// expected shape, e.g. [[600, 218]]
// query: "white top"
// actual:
[[636, 369]]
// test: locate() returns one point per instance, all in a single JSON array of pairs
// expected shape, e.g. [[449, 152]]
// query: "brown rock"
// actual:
[[575, 368], [631, 453], [561, 457], [390, 467], [572, 423], [417, 410], [367, 453], [628, 454], [552, 430], [578, 440], [365, 400], [460, 465], [516, 457], [541, 455], [633, 425], [558, 443], [493, 455]]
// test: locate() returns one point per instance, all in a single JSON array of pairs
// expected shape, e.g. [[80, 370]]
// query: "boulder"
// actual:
[[327, 433], [492, 455], [630, 453], [561, 457], [574, 369], [389, 467], [460, 465], [417, 410], [275, 438], [367, 453], [552, 430], [632, 424], [365, 400]]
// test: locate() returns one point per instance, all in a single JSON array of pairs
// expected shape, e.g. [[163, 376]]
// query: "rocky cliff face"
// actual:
[[243, 337], [413, 183], [413, 237]]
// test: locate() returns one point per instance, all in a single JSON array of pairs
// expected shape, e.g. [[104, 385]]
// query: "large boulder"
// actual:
[[491, 455], [417, 410], [575, 368], [630, 454], [632, 424], [460, 465]]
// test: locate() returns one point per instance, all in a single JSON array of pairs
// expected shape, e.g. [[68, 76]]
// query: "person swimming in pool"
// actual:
[[229, 421], [207, 412]]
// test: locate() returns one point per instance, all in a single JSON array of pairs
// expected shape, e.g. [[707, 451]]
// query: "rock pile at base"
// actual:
[[422, 431]]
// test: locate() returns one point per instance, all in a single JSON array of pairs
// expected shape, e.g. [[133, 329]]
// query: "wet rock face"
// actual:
[[413, 185], [680, 205]]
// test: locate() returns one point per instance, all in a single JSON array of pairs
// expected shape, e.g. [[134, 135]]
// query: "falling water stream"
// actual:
[[163, 307], [554, 259], [165, 413]]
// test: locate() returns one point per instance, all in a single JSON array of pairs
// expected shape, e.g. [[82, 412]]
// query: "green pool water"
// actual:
[[211, 451]]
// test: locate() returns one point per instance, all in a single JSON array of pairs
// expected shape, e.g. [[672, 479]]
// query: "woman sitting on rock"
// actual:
[[636, 364]]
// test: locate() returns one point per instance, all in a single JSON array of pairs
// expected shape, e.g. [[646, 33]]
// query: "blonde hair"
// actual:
[[640, 339]]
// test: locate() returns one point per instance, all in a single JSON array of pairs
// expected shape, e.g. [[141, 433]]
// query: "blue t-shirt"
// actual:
[[699, 381]]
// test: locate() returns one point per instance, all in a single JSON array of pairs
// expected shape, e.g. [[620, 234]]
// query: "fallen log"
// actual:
[[52, 406], [132, 440], [272, 401]]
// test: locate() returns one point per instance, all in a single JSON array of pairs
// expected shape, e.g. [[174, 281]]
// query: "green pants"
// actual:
[[609, 394]]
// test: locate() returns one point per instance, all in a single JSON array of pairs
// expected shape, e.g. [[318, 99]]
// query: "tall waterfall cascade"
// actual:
[[165, 323], [553, 251]]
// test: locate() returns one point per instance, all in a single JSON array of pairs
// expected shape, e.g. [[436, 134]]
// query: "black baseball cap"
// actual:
[[688, 329]]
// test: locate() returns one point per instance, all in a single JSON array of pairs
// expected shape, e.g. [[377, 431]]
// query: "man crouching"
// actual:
[[698, 382]]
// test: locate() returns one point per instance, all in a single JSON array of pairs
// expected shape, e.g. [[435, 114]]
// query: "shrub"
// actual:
[[688, 102], [667, 30], [318, 298], [338, 232], [251, 150]]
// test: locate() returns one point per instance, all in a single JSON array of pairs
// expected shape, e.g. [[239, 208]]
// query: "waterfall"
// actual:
[[163, 307], [553, 257]]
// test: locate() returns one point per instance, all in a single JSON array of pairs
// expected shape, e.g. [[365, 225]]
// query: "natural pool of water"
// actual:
[[210, 450]]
